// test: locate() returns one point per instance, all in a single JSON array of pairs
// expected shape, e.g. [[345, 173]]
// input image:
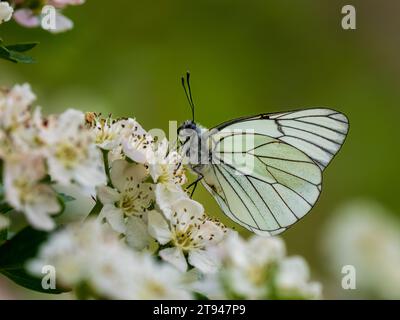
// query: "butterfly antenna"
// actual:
[[188, 92]]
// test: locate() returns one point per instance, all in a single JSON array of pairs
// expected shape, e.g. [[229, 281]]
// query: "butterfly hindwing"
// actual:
[[266, 187]]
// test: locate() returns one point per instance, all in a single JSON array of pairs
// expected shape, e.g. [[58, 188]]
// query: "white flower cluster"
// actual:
[[144, 200], [36, 151], [257, 268], [92, 260]]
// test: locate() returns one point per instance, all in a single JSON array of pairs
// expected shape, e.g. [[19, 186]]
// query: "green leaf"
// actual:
[[65, 197], [20, 57], [22, 47], [4, 206], [14, 53], [4, 53], [3, 235], [62, 199], [15, 253]]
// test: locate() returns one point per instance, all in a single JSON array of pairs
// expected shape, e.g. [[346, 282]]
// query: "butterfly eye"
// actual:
[[181, 134]]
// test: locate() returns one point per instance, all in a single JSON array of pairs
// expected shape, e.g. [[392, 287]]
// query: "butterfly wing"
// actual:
[[319, 132], [267, 187], [266, 172]]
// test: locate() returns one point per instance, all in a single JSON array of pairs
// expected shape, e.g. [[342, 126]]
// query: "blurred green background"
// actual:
[[245, 57]]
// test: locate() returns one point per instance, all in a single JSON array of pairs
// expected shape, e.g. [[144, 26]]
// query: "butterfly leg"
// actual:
[[194, 184]]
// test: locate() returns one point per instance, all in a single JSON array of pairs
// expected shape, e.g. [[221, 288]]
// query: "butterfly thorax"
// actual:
[[194, 144]]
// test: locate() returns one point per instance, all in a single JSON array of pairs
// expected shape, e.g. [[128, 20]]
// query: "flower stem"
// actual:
[[96, 209], [3, 235], [106, 167], [83, 291], [98, 205]]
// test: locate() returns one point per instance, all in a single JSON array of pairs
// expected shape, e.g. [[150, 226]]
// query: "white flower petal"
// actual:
[[4, 222], [123, 171], [26, 193], [39, 219], [203, 260], [208, 285], [166, 196], [107, 195], [134, 153], [293, 270], [185, 210], [137, 235], [58, 172], [292, 279], [6, 12], [66, 125], [91, 173], [175, 257], [158, 227], [26, 18], [62, 24], [114, 216]]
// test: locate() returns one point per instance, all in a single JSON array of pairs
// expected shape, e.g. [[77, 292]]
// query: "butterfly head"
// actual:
[[187, 130]]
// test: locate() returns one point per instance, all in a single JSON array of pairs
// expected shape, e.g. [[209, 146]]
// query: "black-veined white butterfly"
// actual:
[[264, 171]]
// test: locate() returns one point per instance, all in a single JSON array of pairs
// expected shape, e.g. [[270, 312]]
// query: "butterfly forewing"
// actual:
[[319, 132]]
